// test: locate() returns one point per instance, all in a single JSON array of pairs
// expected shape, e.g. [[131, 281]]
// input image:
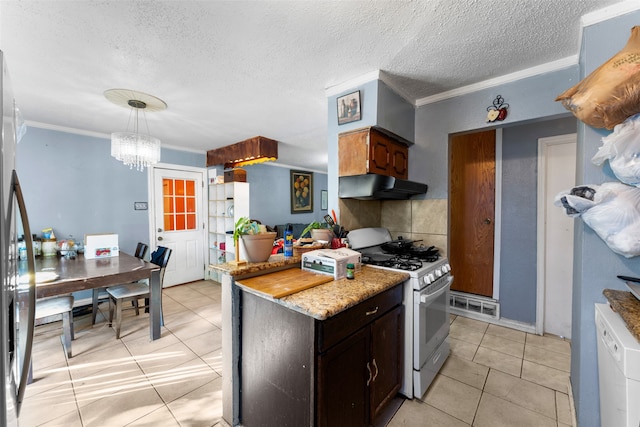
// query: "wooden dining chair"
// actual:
[[136, 290], [100, 294], [59, 306]]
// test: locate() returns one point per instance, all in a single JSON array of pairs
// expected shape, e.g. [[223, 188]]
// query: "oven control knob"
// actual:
[[446, 268], [438, 272], [430, 277], [426, 279]]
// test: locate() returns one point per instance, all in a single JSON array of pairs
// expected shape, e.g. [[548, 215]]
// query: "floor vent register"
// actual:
[[474, 306]]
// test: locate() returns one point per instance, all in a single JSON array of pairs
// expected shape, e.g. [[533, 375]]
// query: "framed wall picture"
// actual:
[[324, 196], [301, 192], [349, 109]]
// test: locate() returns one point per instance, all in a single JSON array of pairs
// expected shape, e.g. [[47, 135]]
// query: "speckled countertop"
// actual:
[[329, 299], [274, 262], [628, 307]]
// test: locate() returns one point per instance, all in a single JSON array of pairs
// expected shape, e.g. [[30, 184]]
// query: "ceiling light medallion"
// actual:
[[135, 149]]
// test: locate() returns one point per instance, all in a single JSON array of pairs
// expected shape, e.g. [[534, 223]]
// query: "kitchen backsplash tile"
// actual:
[[356, 214], [396, 215], [429, 216], [424, 220]]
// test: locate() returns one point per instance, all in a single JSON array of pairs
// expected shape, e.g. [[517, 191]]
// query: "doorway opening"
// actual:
[[556, 172]]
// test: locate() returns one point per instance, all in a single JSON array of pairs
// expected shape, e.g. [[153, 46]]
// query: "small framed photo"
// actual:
[[324, 198], [349, 109], [301, 192]]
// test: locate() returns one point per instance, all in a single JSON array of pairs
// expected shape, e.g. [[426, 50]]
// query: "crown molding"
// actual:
[[65, 129], [83, 132], [604, 14], [384, 77], [609, 12], [507, 78], [287, 166], [350, 84], [366, 78]]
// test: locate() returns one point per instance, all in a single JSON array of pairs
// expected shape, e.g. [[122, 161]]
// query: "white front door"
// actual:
[[178, 222], [556, 173]]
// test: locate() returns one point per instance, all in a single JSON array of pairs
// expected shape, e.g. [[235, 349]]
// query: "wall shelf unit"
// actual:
[[228, 202]]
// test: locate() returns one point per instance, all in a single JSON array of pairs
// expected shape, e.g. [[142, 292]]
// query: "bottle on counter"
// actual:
[[350, 271], [22, 248], [37, 245], [288, 240], [49, 247]]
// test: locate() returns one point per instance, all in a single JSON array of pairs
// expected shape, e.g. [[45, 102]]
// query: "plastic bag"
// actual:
[[622, 149], [612, 210], [611, 93]]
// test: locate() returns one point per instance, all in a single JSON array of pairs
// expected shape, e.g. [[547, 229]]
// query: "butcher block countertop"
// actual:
[[325, 300], [628, 307], [251, 268]]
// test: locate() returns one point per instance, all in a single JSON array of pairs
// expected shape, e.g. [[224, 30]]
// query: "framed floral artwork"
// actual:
[[301, 192]]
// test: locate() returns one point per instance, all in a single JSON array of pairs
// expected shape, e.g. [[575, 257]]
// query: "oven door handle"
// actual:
[[427, 299]]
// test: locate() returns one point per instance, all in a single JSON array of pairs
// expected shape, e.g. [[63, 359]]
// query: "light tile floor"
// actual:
[[494, 376]]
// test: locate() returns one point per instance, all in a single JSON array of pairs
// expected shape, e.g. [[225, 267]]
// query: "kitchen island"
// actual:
[[335, 348]]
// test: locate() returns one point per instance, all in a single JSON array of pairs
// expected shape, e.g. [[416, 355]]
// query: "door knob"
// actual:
[[487, 221], [159, 237]]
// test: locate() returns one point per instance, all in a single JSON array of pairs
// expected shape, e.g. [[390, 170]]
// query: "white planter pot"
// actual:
[[257, 247]]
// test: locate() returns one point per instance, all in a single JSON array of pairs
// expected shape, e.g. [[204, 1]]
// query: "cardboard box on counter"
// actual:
[[101, 246], [332, 262]]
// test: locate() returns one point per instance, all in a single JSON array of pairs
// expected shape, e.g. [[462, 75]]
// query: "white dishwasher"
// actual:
[[618, 370]]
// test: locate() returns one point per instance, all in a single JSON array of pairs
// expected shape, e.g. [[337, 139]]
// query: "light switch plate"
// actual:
[[140, 206]]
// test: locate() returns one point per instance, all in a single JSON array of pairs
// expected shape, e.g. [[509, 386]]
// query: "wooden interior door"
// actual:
[[472, 211]]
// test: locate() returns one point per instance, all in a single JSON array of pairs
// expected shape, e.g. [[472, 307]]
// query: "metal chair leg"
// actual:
[[67, 336], [96, 292], [110, 312], [118, 317]]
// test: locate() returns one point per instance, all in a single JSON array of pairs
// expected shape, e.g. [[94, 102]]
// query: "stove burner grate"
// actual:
[[399, 262]]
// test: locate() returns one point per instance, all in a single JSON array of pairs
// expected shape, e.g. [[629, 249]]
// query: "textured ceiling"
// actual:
[[230, 70]]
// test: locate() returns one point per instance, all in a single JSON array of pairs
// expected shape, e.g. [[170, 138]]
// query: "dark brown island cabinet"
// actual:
[[296, 370], [373, 150]]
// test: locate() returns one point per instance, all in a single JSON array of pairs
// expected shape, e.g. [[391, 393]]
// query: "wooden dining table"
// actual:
[[64, 275]]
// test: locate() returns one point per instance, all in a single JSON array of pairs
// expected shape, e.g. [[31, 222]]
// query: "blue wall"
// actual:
[[72, 183], [519, 210], [595, 265], [381, 106], [270, 200], [369, 114], [529, 99], [395, 114]]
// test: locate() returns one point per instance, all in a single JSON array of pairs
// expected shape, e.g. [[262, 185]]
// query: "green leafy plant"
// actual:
[[314, 226], [245, 226]]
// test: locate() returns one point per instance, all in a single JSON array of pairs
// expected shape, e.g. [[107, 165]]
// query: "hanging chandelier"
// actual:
[[135, 149]]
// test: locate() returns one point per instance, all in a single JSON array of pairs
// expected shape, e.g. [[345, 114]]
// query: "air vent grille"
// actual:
[[474, 306]]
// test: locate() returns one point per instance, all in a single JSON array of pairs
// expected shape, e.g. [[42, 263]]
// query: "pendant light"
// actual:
[[135, 149]]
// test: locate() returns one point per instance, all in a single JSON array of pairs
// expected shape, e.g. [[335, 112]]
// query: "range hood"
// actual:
[[377, 187]]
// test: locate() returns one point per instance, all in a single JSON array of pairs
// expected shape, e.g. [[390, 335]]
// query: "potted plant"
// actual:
[[257, 242], [318, 231]]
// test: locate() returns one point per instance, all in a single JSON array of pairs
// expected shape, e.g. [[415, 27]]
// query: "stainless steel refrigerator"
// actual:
[[17, 299]]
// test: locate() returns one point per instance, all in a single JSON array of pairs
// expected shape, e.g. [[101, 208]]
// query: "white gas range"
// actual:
[[426, 301]]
